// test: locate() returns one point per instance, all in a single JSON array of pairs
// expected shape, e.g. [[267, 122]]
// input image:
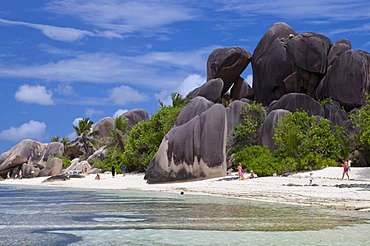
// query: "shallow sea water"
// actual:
[[49, 216]]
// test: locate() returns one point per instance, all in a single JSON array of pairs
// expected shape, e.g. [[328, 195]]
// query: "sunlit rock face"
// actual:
[[228, 64], [194, 150], [133, 117], [32, 155], [211, 90]]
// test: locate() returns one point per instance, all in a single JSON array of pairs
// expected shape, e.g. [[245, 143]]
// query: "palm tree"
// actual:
[[177, 100], [117, 135], [55, 139], [85, 135]]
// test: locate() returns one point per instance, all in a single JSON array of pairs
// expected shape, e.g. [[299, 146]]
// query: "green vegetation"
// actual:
[[303, 143], [85, 136], [65, 161], [145, 137], [248, 132], [360, 120]]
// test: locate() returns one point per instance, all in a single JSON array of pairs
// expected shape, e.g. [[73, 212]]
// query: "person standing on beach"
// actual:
[[345, 169], [310, 178], [240, 171], [349, 164], [123, 168], [113, 171]]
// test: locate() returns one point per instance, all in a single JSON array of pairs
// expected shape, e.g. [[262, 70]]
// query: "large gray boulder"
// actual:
[[268, 128], [227, 64], [309, 51], [194, 150], [271, 64], [286, 62], [30, 152], [347, 80], [298, 102], [133, 117], [53, 167], [98, 155], [101, 127], [335, 113], [211, 90], [233, 115], [78, 166], [337, 49], [195, 107]]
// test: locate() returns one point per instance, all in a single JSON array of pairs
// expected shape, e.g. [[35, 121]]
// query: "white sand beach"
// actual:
[[293, 189]]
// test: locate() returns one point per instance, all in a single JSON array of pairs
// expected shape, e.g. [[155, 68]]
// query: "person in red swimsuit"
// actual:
[[345, 169]]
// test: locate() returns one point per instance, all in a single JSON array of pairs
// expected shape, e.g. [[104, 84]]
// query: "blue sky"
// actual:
[[63, 60]]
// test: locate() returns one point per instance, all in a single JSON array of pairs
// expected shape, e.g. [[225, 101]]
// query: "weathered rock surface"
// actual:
[[337, 49], [194, 150], [100, 155], [298, 102], [133, 117], [195, 107], [347, 80], [29, 152], [272, 65], [210, 90], [228, 64], [78, 166], [53, 167], [335, 114], [269, 124], [101, 126], [60, 177]]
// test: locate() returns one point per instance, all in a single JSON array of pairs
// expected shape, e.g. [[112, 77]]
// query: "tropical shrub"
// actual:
[[145, 137], [113, 158], [310, 141], [248, 132], [263, 162], [360, 121]]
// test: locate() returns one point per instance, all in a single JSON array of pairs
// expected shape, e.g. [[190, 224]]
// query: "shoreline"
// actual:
[[293, 189]]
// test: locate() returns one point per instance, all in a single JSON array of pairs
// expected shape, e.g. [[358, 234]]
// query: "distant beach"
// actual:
[[327, 191]]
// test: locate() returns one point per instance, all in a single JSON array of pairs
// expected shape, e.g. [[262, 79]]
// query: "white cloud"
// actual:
[[54, 32], [64, 89], [119, 112], [123, 95], [300, 9], [92, 111], [190, 83], [31, 130], [34, 94], [76, 121], [124, 17], [162, 69]]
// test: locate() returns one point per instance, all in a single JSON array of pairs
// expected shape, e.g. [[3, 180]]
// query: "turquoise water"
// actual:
[[48, 216]]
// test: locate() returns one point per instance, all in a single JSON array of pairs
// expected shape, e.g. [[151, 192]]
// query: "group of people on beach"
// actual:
[[346, 168], [241, 172]]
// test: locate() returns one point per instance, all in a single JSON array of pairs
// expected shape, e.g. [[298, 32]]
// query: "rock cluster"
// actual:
[[30, 158], [291, 72]]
